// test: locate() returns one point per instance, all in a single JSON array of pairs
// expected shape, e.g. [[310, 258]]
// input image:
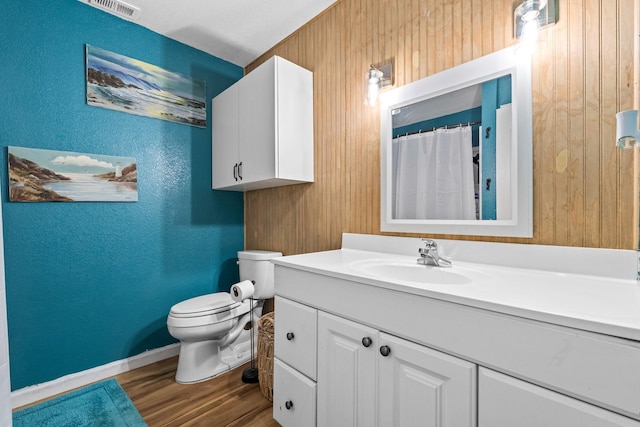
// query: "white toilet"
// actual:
[[214, 329]]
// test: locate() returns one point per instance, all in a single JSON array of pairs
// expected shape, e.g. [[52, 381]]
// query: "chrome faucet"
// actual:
[[429, 255]]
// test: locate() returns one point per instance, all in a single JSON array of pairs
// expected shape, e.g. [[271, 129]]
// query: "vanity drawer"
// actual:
[[505, 402], [295, 335], [294, 397]]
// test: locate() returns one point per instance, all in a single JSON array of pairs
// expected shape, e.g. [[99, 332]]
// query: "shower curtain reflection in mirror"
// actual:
[[433, 175]]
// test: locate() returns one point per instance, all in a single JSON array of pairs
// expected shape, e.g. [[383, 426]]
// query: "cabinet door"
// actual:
[[506, 402], [257, 133], [419, 386], [346, 373], [224, 125]]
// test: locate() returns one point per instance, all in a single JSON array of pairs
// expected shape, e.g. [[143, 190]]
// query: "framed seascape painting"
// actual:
[[37, 175], [120, 83]]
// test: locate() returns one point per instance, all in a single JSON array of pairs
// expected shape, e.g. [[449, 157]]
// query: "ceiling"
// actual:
[[237, 31]]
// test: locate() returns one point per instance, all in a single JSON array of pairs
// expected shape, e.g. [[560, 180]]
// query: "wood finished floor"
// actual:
[[221, 401]]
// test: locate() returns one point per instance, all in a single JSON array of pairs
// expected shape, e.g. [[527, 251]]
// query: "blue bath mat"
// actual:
[[102, 404]]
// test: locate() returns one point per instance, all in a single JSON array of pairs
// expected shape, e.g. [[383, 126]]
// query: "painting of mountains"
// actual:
[[124, 84], [37, 175]]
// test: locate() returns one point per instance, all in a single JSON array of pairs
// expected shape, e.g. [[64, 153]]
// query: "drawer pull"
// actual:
[[288, 404], [290, 336], [366, 341], [385, 350]]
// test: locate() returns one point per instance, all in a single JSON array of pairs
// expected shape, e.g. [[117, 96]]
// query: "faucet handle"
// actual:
[[430, 244]]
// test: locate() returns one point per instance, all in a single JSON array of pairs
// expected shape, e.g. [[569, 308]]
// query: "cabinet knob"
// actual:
[[366, 341], [240, 171], [290, 336], [288, 404], [385, 350], [235, 171]]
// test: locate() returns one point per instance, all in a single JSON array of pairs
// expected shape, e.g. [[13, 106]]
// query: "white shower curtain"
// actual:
[[433, 175]]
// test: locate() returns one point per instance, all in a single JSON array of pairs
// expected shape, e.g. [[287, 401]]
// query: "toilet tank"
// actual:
[[255, 266]]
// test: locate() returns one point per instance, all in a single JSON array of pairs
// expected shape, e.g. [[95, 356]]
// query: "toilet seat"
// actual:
[[204, 305], [206, 310]]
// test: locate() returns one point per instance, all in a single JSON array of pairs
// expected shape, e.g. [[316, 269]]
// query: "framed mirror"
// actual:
[[456, 150]]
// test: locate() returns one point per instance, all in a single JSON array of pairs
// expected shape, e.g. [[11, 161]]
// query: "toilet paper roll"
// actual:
[[242, 290]]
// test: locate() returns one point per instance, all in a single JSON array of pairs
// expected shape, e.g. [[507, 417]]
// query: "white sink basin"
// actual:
[[413, 272]]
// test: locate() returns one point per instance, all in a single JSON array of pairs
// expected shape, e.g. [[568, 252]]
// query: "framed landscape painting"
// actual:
[[124, 84], [37, 175]]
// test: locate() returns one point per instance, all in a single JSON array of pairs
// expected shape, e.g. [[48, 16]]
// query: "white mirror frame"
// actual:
[[477, 71]]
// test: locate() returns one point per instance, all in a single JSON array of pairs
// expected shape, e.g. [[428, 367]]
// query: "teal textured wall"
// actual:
[[90, 283]]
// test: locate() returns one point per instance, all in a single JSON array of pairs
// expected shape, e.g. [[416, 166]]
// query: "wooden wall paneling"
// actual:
[[432, 38], [592, 124], [505, 17], [486, 33], [609, 153], [422, 35], [403, 70], [583, 187], [556, 41], [457, 31], [368, 36], [574, 61], [450, 43], [627, 99], [438, 32], [544, 149], [466, 40], [477, 26], [354, 61]]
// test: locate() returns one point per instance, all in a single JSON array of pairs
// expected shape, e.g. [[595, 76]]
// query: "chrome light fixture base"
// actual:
[[544, 12], [377, 77]]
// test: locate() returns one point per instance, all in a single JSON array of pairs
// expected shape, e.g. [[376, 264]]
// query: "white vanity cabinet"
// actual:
[[370, 378], [506, 402], [263, 129], [364, 377], [448, 363]]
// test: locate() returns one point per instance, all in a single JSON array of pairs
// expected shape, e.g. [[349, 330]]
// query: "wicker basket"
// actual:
[[265, 355]]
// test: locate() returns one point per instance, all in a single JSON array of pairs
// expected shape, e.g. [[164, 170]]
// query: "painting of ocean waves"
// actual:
[[37, 175], [120, 83]]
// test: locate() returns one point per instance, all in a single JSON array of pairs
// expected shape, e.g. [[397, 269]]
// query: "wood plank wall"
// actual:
[[582, 75]]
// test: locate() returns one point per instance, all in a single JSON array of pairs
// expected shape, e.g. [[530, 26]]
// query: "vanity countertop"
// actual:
[[593, 303]]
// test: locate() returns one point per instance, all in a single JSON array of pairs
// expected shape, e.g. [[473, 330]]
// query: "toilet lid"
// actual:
[[204, 305]]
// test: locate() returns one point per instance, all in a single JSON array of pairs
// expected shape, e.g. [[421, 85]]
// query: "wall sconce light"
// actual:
[[627, 132], [528, 18], [376, 79]]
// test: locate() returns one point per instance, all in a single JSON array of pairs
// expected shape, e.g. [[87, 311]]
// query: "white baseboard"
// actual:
[[33, 393]]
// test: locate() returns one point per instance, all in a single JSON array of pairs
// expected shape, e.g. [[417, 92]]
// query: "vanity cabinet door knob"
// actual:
[[366, 341], [290, 336], [288, 404], [385, 350]]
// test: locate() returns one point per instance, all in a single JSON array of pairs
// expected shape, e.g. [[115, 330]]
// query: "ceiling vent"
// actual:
[[116, 7]]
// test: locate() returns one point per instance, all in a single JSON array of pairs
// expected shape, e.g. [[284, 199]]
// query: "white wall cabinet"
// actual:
[[263, 129]]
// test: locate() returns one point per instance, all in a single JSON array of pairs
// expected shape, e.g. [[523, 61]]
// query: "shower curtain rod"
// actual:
[[459, 125]]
